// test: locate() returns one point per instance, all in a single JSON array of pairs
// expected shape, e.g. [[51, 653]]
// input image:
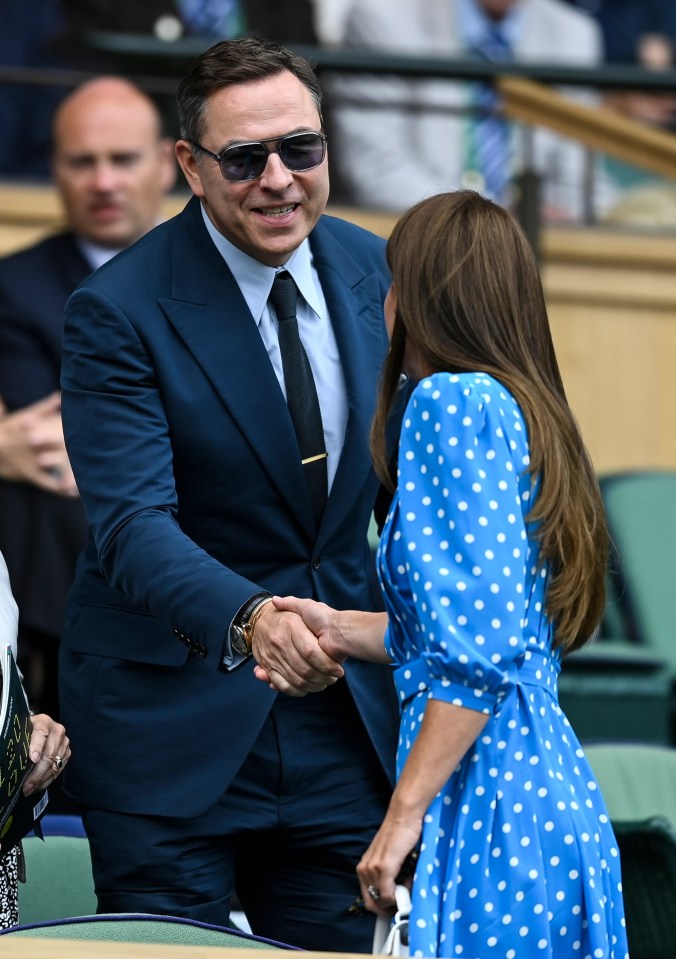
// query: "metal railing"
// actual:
[[157, 66]]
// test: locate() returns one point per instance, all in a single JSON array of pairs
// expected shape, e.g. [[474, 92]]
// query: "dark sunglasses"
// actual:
[[245, 161]]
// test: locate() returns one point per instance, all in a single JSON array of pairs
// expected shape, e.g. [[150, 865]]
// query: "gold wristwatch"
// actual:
[[241, 631]]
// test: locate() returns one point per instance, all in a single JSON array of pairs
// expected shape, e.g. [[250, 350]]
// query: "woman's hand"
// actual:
[[49, 749], [382, 862]]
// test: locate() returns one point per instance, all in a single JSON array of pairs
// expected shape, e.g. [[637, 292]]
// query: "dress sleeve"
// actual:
[[461, 518]]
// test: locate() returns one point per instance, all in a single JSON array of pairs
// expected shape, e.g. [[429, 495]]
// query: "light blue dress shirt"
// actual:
[[314, 325], [94, 254], [473, 24]]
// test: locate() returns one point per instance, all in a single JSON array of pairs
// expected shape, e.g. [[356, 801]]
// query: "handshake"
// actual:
[[299, 644]]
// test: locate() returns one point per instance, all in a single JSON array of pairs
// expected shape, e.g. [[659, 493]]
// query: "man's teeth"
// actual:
[[280, 211]]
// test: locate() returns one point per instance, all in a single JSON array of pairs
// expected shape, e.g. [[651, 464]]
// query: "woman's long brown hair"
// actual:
[[469, 298]]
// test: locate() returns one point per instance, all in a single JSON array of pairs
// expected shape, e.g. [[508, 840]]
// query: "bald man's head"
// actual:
[[111, 165]]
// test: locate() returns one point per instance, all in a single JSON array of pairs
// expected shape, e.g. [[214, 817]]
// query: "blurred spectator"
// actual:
[[44, 34], [407, 143], [329, 17], [643, 33], [112, 168], [627, 25], [640, 32], [26, 41], [289, 21]]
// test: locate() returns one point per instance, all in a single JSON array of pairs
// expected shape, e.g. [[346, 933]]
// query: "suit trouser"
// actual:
[[287, 834]]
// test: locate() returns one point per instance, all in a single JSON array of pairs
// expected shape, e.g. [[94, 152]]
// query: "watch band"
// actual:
[[250, 625], [245, 619]]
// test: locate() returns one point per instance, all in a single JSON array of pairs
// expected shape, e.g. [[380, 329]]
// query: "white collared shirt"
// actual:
[[314, 325]]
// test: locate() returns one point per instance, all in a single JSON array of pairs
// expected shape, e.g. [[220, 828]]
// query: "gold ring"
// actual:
[[58, 762]]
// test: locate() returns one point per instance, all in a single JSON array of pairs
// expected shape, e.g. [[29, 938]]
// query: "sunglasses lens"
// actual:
[[244, 162], [298, 152], [302, 151]]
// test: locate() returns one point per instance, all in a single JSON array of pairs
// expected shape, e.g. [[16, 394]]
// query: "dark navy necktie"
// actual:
[[301, 392]]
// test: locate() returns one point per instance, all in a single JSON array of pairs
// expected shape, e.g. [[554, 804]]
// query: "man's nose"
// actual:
[[275, 175], [105, 177]]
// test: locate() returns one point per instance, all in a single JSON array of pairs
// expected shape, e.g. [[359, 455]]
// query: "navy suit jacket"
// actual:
[[180, 439], [41, 533]]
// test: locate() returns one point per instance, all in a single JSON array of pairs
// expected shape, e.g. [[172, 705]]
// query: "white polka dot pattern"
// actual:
[[518, 857]]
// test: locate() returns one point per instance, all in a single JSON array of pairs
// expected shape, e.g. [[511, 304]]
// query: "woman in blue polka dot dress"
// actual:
[[492, 564]]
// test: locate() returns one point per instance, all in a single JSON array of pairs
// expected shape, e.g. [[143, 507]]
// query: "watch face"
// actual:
[[238, 641]]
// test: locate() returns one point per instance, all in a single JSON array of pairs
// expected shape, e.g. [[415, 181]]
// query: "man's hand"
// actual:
[[320, 619], [32, 447], [288, 655]]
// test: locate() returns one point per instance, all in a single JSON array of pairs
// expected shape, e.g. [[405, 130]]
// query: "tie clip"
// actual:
[[313, 459]]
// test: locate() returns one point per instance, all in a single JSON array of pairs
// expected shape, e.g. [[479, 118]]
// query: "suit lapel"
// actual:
[[212, 318], [210, 315]]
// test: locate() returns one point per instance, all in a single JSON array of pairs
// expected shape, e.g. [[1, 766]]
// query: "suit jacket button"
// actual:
[[316, 562]]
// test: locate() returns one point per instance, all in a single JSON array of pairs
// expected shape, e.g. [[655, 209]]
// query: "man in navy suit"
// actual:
[[194, 776], [112, 167]]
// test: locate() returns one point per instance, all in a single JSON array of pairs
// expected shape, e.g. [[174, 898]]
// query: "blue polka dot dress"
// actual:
[[518, 858]]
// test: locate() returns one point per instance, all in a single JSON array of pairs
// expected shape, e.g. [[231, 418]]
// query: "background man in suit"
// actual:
[[410, 138], [291, 21], [112, 168], [194, 775]]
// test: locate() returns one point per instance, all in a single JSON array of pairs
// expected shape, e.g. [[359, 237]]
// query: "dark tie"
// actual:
[[491, 131], [301, 392]]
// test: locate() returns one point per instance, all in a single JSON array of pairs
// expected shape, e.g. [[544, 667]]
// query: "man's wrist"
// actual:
[[242, 627], [253, 619]]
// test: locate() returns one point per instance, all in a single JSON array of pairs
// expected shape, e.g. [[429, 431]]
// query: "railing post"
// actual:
[[528, 193], [527, 207]]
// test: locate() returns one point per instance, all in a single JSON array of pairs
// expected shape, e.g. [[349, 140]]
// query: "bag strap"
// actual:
[[403, 899], [386, 928]]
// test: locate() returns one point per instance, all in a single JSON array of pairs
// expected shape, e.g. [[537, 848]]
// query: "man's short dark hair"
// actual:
[[236, 61]]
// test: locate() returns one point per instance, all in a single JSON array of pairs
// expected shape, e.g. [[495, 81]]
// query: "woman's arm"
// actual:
[[342, 633], [446, 733]]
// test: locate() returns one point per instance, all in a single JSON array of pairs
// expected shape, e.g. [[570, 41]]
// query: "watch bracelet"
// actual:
[[253, 619]]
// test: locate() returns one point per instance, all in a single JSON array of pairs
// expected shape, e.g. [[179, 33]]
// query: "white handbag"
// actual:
[[391, 935]]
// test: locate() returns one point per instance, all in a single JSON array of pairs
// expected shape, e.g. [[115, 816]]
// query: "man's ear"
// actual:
[[191, 168]]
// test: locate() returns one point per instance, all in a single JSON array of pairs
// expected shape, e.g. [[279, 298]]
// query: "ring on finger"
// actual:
[[58, 762], [373, 892]]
